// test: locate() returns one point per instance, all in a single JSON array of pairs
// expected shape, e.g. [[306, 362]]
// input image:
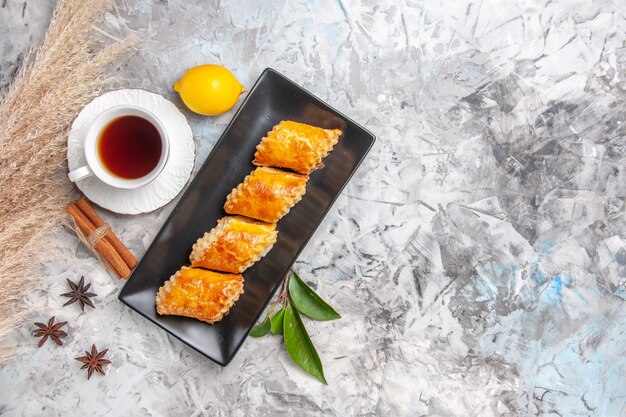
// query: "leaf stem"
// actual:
[[283, 297], [270, 311], [284, 294]]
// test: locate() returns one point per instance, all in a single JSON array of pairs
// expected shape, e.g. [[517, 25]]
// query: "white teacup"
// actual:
[[96, 167]]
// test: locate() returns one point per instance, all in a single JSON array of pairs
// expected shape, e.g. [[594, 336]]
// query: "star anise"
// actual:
[[52, 330], [79, 293], [93, 361]]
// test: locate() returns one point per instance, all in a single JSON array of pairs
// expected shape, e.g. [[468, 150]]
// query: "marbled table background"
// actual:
[[478, 256]]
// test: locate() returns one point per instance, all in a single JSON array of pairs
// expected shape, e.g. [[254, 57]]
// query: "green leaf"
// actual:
[[261, 329], [277, 321], [308, 302], [299, 345]]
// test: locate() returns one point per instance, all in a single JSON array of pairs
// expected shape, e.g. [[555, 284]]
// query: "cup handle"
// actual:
[[80, 173]]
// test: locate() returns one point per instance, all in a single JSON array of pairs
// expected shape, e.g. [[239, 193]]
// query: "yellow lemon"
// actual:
[[209, 89]]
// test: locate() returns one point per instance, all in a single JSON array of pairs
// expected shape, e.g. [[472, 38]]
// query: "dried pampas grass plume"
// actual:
[[66, 72]]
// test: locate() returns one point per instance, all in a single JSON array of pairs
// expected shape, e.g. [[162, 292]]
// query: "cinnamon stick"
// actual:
[[90, 213], [103, 247]]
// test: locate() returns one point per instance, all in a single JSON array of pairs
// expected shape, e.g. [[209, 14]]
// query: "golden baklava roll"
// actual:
[[200, 294], [234, 244], [266, 194], [296, 146]]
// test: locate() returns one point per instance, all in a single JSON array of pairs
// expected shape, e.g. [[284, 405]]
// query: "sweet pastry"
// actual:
[[296, 146], [237, 242], [234, 244], [200, 294], [266, 194]]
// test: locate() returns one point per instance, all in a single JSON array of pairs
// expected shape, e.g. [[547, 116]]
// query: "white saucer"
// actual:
[[170, 181]]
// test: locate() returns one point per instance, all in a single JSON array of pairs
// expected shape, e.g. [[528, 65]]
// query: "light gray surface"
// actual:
[[478, 257]]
